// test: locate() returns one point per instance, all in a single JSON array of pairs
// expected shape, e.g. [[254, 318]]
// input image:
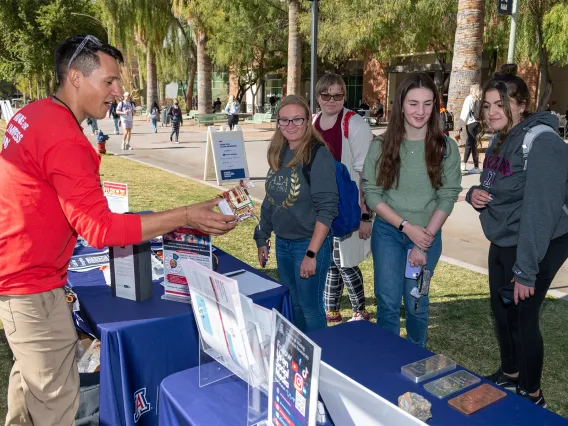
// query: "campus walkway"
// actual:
[[463, 241]]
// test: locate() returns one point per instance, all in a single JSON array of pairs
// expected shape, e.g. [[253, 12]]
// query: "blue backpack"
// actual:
[[349, 211]]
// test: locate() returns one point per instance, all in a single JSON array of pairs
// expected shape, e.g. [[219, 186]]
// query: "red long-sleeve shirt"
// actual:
[[50, 191]]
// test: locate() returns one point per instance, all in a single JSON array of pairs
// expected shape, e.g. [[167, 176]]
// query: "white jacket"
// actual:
[[356, 138]]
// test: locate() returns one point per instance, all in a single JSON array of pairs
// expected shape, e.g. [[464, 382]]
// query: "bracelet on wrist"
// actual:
[[424, 252], [402, 225]]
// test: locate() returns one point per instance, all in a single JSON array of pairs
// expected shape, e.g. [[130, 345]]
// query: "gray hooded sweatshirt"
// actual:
[[527, 206]]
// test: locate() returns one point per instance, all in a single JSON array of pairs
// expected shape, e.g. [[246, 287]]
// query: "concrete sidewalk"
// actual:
[[463, 241]]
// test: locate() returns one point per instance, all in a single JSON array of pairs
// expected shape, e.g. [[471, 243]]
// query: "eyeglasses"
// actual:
[[81, 46], [284, 122], [335, 96]]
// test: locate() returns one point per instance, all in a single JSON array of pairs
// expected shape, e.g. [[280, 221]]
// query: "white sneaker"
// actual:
[[474, 171], [464, 167], [123, 145]]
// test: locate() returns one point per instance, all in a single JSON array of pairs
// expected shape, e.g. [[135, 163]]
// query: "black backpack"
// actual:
[[475, 110], [447, 121]]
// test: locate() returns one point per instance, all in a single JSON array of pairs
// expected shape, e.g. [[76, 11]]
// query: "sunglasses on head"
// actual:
[[81, 46], [335, 96]]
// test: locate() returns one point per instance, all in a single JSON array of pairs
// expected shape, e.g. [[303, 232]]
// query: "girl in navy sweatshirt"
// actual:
[[521, 199]]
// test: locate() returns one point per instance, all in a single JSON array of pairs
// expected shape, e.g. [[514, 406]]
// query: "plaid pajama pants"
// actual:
[[337, 277]]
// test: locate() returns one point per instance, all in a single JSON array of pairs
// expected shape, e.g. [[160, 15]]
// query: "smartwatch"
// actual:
[[402, 225], [310, 254], [366, 217]]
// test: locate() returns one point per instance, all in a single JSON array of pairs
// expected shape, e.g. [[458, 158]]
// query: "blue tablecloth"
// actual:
[[373, 357], [142, 343], [364, 352]]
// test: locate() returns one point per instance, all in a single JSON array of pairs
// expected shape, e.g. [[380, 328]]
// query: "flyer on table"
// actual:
[[181, 244], [294, 375], [217, 307], [117, 196]]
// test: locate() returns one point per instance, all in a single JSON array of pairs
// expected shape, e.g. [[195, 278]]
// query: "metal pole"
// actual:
[[314, 56], [513, 33], [95, 19]]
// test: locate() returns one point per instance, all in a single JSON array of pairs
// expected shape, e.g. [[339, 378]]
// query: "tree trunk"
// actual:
[[545, 82], [191, 82], [163, 92], [294, 50], [151, 77], [468, 45], [204, 74]]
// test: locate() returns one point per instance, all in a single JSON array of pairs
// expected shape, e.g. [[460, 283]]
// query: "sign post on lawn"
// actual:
[[225, 156]]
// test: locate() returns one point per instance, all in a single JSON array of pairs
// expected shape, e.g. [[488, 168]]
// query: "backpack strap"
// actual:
[[530, 136], [346, 119], [307, 168]]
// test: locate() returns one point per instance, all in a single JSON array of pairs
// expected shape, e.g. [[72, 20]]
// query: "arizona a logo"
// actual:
[[141, 404]]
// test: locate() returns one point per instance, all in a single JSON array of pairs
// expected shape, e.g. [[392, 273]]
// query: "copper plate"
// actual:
[[476, 399]]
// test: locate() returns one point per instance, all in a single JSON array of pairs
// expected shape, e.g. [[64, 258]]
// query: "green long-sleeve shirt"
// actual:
[[414, 199]]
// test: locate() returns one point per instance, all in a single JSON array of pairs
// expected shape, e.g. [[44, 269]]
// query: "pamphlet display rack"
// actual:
[[214, 367]]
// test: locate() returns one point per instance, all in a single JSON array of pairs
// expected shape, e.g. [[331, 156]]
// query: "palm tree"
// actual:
[[294, 50], [190, 11], [468, 45], [204, 74]]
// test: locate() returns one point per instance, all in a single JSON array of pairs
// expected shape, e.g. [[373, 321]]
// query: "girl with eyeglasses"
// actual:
[[411, 179], [348, 137], [522, 204], [299, 208]]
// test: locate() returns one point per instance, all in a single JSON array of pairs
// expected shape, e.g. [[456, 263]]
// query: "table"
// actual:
[[142, 343], [363, 351]]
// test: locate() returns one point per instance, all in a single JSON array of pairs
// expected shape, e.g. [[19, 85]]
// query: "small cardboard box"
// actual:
[[131, 271]]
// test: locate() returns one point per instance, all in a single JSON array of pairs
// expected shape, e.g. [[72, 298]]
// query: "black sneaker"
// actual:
[[507, 382], [538, 400]]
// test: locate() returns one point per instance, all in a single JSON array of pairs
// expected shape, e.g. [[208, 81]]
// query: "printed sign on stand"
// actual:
[[117, 196], [294, 375], [225, 156], [183, 243]]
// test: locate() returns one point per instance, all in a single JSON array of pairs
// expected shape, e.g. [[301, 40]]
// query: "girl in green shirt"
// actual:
[[411, 180]]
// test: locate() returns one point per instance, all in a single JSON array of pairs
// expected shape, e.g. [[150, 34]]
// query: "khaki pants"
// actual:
[[44, 382]]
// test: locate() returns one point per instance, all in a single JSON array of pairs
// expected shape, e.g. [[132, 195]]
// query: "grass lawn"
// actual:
[[460, 320]]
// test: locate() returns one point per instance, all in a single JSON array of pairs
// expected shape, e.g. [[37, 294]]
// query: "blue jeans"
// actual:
[[116, 121], [390, 249], [154, 126], [307, 294]]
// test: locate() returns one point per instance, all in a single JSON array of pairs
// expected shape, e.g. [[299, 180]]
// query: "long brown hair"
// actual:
[[278, 142], [509, 87], [388, 164]]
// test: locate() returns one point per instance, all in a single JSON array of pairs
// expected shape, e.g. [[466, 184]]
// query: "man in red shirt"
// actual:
[[49, 193]]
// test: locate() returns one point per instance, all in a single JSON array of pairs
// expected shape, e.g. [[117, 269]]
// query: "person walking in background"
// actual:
[[470, 117], [411, 179], [521, 200], [348, 137], [217, 105], [176, 117], [298, 211], [114, 116], [232, 109], [154, 115], [126, 110], [94, 125]]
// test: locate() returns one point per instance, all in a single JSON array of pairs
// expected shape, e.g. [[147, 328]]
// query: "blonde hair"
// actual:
[[278, 142], [328, 80], [475, 91]]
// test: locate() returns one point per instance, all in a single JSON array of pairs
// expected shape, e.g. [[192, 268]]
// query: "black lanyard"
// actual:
[[66, 106]]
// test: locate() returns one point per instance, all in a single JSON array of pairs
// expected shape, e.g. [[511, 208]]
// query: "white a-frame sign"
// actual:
[[225, 156]]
